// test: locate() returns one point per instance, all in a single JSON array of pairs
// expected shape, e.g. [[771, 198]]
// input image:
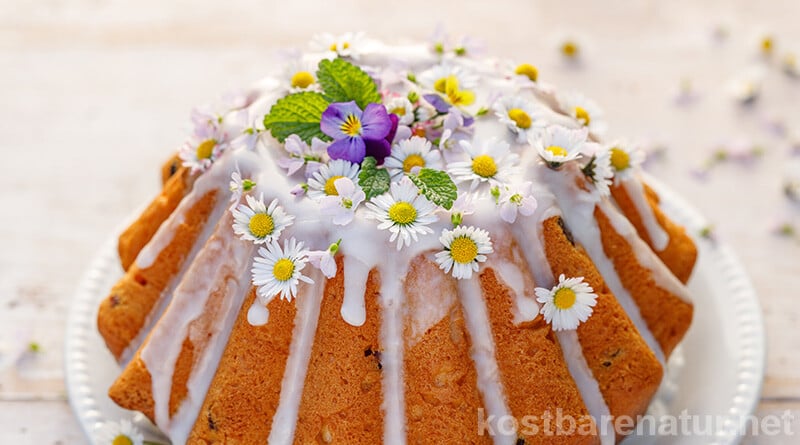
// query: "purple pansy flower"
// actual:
[[358, 133]]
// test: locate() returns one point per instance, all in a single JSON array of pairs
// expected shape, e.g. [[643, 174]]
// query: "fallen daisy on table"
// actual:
[[121, 432]]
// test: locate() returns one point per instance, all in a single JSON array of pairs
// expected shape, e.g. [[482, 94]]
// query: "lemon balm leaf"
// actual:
[[298, 114], [373, 180], [342, 81], [437, 186]]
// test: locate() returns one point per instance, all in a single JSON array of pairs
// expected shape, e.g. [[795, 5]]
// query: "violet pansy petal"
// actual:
[[349, 149], [437, 102], [335, 116], [375, 122], [378, 149]]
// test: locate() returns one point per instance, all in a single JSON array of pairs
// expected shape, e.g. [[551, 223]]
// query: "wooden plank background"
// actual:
[[94, 94]]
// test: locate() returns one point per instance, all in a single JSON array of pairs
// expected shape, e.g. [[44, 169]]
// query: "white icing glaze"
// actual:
[[391, 299], [578, 208], [305, 326], [658, 236], [427, 301], [219, 265], [483, 354], [587, 385]]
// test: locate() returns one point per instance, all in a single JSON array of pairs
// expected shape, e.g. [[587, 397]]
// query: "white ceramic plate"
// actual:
[[717, 371]]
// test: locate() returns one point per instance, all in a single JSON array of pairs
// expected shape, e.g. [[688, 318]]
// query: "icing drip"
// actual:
[[483, 354], [663, 277], [218, 174], [526, 308], [570, 345], [355, 285], [658, 236], [217, 268], [578, 208], [429, 298], [587, 385], [392, 300], [305, 326]]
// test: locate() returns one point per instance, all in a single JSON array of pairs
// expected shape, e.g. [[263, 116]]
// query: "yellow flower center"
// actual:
[[283, 269], [400, 111], [456, 96], [351, 126], [582, 115], [122, 440], [413, 160], [529, 70], [346, 45], [520, 117], [402, 213], [484, 166], [569, 48], [439, 85], [620, 159], [206, 149], [564, 298], [261, 225], [330, 187], [302, 79], [556, 150], [463, 250], [332, 47], [767, 45]]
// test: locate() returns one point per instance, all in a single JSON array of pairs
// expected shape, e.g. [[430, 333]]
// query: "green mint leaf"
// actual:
[[298, 114], [437, 186], [373, 180], [342, 82]]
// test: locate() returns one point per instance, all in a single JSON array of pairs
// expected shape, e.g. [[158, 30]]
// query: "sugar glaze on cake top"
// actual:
[[381, 154]]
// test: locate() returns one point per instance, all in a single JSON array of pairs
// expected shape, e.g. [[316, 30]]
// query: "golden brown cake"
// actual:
[[398, 245]]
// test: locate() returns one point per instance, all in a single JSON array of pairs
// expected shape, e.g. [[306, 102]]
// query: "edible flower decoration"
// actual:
[[278, 271], [120, 433], [598, 171], [517, 200], [520, 116], [342, 206], [258, 223], [357, 133], [403, 211], [464, 249], [325, 260], [568, 304], [559, 145], [490, 162], [584, 110], [624, 159]]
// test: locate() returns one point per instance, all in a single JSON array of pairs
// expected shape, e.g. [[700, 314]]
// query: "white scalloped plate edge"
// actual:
[[85, 365]]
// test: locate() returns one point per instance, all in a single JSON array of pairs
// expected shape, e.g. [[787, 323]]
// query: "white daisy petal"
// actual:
[[277, 271], [321, 183], [492, 163], [403, 211], [255, 222], [568, 304]]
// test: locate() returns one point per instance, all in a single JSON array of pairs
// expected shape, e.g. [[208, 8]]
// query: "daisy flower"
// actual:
[[239, 186], [342, 206], [349, 44], [599, 171], [401, 107], [119, 433], [258, 223], [624, 159], [204, 147], [516, 200], [404, 211], [493, 162], [325, 260], [436, 77], [410, 155], [559, 145], [568, 304], [322, 181], [522, 117], [302, 155], [464, 248], [525, 73], [584, 110], [278, 271], [299, 76]]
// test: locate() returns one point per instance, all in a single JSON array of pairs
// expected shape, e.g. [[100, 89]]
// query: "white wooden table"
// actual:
[[94, 94]]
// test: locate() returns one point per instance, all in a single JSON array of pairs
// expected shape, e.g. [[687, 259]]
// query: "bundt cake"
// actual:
[[458, 256]]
